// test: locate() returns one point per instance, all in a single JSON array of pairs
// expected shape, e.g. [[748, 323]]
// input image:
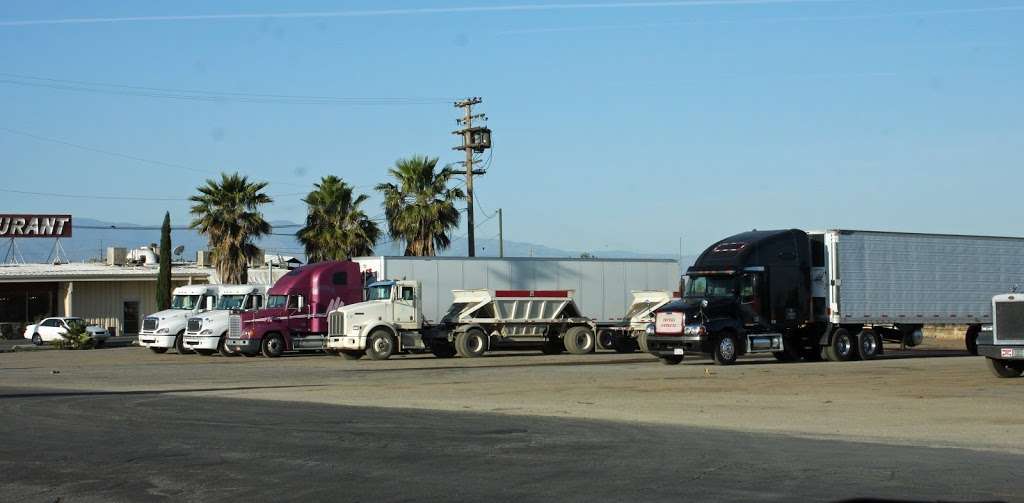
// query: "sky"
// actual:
[[616, 125]]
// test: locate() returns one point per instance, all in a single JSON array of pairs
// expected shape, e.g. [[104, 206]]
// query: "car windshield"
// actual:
[[277, 301], [185, 302], [710, 286], [378, 292], [228, 302]]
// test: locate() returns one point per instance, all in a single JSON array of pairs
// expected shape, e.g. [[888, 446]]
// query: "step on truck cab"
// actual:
[[295, 315], [834, 295], [166, 329], [207, 333], [1002, 342], [390, 322]]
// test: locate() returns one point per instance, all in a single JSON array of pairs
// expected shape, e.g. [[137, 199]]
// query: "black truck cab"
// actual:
[[745, 293]]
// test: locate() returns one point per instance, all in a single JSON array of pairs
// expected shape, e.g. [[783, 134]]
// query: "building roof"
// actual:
[[79, 271]]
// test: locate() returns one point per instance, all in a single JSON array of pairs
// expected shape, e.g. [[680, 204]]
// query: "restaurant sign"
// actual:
[[35, 226]]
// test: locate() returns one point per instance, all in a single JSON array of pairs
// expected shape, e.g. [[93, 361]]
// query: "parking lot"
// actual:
[[927, 423]]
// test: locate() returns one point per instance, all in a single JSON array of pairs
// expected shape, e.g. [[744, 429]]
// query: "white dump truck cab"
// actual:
[[166, 329], [387, 322], [206, 333]]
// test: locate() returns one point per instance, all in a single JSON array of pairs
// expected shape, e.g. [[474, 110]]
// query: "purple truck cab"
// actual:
[[295, 316]]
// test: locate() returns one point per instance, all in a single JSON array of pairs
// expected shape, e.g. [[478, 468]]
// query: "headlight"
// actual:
[[163, 331], [650, 330], [206, 332]]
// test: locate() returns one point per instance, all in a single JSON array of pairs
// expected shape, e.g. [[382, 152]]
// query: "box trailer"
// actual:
[[835, 294]]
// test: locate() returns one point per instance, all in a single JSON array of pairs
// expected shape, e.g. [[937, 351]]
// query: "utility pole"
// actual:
[[501, 236], [474, 140]]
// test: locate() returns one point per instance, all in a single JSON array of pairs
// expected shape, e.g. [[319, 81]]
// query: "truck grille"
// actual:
[[194, 324], [235, 326], [1008, 322], [336, 324], [150, 324]]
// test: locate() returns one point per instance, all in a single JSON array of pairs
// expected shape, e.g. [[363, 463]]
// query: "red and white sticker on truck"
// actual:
[[670, 322]]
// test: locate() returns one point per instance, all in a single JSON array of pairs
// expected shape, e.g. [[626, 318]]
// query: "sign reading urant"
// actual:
[[35, 226]]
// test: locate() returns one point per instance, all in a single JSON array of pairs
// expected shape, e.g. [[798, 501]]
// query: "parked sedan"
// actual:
[[50, 329]]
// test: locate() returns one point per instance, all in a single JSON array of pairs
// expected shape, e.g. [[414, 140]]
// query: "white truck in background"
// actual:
[[205, 333], [164, 330]]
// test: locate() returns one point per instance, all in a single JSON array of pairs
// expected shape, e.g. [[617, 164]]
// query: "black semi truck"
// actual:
[[834, 295]]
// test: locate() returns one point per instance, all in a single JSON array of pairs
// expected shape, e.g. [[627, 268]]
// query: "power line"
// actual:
[[121, 198]]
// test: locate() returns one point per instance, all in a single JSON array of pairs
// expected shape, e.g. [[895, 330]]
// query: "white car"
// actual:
[[50, 329]]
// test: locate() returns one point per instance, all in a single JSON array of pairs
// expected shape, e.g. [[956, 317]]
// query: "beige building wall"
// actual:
[[102, 302]]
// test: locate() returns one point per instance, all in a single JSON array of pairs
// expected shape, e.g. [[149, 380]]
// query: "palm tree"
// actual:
[[420, 208], [227, 212], [336, 229]]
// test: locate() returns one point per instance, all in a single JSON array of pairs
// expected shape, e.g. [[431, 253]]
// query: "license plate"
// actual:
[[678, 351], [1012, 352]]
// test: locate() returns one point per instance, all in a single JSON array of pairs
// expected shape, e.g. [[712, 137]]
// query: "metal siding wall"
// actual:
[[925, 278]]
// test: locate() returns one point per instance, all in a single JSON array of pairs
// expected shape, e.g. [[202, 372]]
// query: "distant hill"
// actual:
[[92, 237]]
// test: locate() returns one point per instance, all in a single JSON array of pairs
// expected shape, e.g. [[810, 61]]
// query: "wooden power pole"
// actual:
[[501, 236], [474, 140]]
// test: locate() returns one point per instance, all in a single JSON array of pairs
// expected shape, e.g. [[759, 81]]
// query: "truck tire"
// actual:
[[350, 355], [842, 348], [1006, 368], [726, 349], [606, 339], [179, 344], [671, 359], [579, 340], [158, 351], [442, 349], [380, 345], [971, 339], [641, 342], [869, 345], [471, 344], [553, 346], [273, 345], [223, 349]]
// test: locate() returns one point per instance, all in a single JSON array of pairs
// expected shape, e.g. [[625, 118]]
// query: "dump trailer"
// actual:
[[835, 294], [1002, 342], [628, 335], [602, 288], [390, 322]]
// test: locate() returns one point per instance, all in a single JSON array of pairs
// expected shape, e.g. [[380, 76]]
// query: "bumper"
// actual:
[[1000, 352], [661, 345], [244, 346], [201, 341], [156, 341], [352, 342]]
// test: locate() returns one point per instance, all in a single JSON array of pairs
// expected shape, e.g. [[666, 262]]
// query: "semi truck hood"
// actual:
[[172, 314]]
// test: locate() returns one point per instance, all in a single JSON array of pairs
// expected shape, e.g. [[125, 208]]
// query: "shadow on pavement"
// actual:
[[44, 394]]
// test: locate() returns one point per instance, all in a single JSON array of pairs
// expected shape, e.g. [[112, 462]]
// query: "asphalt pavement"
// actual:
[[14, 344], [175, 445]]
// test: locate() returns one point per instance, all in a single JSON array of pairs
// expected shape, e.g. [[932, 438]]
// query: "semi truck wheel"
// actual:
[[158, 351], [579, 340], [179, 344], [471, 344], [870, 345], [273, 345], [671, 359], [380, 345], [971, 339], [727, 349], [1006, 368], [641, 342], [607, 340], [843, 347], [350, 355], [222, 349]]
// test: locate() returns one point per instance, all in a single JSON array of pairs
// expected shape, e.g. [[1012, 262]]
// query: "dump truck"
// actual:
[[1002, 342], [390, 322], [836, 294]]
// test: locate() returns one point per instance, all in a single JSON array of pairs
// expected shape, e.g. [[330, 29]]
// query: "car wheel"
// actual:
[[273, 345], [380, 345], [37, 340], [579, 340], [726, 350], [1006, 368], [671, 359], [179, 344]]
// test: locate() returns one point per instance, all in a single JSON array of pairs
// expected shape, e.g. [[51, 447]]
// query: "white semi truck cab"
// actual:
[[164, 330], [205, 333], [1002, 342]]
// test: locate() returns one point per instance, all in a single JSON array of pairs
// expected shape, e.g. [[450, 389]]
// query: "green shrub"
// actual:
[[77, 337]]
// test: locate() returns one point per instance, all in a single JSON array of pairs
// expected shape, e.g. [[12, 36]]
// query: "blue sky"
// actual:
[[617, 125]]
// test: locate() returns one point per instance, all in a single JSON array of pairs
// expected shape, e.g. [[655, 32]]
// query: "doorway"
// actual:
[[130, 323]]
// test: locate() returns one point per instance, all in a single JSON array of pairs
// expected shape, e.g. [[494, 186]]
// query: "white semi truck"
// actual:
[[164, 330], [1002, 342], [206, 333]]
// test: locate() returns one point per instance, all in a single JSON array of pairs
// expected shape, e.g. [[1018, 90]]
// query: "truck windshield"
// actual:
[[378, 292], [228, 302], [711, 286], [187, 302], [277, 301]]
